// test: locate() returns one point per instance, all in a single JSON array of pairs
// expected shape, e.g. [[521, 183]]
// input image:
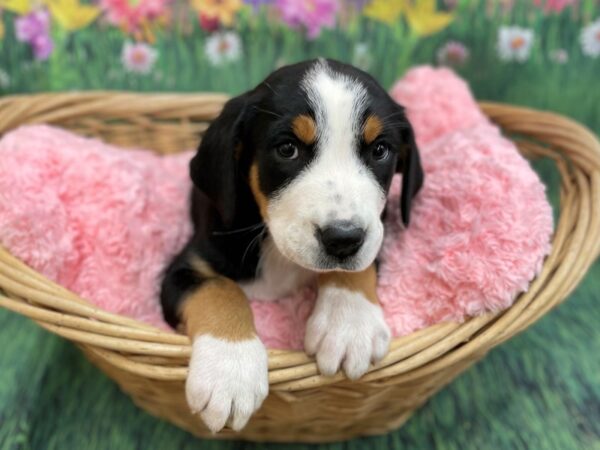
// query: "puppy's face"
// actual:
[[319, 143]]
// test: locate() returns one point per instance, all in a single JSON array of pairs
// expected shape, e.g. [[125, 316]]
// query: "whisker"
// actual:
[[239, 230], [254, 241], [279, 116], [270, 87], [392, 115]]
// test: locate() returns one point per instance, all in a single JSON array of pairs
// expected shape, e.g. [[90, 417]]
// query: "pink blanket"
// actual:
[[104, 222]]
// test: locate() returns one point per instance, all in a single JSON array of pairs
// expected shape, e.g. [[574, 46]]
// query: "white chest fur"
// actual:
[[277, 276]]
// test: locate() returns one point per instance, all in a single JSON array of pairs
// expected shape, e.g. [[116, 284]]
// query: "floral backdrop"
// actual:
[[542, 52]]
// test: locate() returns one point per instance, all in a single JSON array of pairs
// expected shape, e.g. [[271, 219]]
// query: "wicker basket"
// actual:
[[151, 365]]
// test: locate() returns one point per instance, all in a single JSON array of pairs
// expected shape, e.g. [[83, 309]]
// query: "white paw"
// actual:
[[346, 329], [227, 381]]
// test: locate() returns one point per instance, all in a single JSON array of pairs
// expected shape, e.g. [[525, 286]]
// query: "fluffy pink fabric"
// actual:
[[104, 222]]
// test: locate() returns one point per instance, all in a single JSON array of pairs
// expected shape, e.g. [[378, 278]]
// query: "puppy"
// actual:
[[290, 186]]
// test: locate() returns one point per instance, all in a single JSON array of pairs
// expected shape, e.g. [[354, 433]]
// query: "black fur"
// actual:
[[228, 226]]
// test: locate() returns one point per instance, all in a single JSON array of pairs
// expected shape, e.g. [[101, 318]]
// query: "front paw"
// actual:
[[227, 380], [346, 329]]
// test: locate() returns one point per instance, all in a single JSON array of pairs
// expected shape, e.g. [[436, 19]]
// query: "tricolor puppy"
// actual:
[[290, 186]]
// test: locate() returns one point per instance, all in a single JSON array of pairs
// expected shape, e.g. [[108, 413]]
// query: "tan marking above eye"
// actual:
[[373, 128], [259, 196], [305, 129]]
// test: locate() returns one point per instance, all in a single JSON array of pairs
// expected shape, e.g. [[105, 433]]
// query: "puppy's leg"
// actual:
[[347, 326], [228, 376]]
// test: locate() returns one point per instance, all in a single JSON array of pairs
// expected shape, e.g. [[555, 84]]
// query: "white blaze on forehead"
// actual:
[[339, 103]]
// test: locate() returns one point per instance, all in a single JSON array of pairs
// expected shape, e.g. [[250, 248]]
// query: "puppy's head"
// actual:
[[315, 145]]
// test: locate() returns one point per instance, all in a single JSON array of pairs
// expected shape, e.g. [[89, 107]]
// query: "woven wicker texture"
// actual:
[[151, 365]]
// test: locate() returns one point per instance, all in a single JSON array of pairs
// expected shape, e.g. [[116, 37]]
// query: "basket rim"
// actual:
[[147, 351]]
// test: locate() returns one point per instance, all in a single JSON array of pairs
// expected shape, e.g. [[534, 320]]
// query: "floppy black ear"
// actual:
[[214, 167], [409, 164]]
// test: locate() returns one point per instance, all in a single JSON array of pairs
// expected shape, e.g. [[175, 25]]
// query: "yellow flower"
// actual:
[[224, 10], [71, 14], [387, 11], [424, 20], [17, 6]]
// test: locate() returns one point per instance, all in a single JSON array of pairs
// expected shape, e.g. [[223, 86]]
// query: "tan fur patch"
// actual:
[[259, 197], [220, 308], [373, 128], [305, 129], [364, 282], [202, 267]]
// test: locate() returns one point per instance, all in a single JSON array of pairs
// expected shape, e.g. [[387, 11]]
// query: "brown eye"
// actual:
[[380, 152], [287, 151]]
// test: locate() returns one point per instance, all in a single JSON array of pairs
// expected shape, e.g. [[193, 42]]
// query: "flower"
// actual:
[[553, 5], [4, 79], [131, 15], [223, 47], [71, 14], [223, 10], [361, 57], [452, 54], [514, 43], [423, 18], [559, 56], [209, 24], [20, 7], [357, 5], [590, 39], [138, 57], [31, 25], [256, 4], [42, 46], [387, 11], [33, 28], [421, 15], [313, 15]]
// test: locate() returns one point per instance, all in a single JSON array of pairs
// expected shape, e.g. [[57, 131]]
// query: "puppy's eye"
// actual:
[[287, 151], [380, 152]]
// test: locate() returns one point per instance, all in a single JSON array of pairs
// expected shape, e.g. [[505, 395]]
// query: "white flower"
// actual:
[[4, 79], [590, 39], [514, 43], [559, 56], [362, 56], [138, 57], [223, 47]]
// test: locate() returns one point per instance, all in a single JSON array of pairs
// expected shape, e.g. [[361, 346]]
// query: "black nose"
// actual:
[[341, 238]]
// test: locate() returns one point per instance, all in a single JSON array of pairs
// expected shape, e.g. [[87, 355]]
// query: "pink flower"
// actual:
[[42, 46], [209, 24], [33, 28], [452, 54], [130, 15], [553, 5], [32, 25], [138, 57], [314, 15]]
